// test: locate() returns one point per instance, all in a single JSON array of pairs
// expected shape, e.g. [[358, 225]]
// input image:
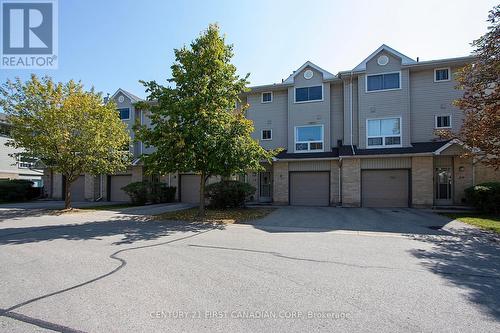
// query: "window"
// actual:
[[386, 81], [384, 132], [267, 97], [443, 121], [266, 134], [309, 94], [441, 74], [309, 138], [124, 113], [25, 162]]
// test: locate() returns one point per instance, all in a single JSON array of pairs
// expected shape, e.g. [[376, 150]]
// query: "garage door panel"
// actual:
[[385, 188], [310, 188], [116, 184], [78, 189], [190, 189]]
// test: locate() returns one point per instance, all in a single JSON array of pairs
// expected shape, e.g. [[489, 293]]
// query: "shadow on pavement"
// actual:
[[469, 260], [130, 228]]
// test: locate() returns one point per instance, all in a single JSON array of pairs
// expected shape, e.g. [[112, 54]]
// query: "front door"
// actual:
[[444, 183], [265, 187]]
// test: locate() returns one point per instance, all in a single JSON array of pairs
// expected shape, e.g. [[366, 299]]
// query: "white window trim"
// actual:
[[262, 134], [436, 121], [384, 136], [449, 74], [313, 101], [262, 97], [309, 142], [129, 112], [381, 90]]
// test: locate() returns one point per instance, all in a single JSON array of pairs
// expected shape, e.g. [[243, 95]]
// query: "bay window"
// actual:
[[309, 138], [383, 132]]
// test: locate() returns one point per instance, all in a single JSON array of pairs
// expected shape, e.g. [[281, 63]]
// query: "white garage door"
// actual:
[[310, 188], [190, 189], [384, 188], [116, 183]]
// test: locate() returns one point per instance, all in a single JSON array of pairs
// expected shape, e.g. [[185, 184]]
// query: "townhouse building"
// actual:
[[359, 138], [12, 168]]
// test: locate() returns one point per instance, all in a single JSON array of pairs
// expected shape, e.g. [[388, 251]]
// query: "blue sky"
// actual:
[[113, 44]]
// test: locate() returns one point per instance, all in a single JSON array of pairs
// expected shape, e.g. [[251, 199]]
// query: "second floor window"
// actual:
[[267, 97], [443, 121], [441, 74], [124, 113], [386, 81], [309, 138], [266, 134], [383, 132], [309, 94]]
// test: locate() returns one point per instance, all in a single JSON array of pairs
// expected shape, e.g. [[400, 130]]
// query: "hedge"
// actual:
[[228, 193], [484, 197], [18, 190], [142, 192]]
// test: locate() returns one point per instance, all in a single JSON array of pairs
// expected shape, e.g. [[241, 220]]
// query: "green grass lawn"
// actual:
[[226, 216], [483, 221]]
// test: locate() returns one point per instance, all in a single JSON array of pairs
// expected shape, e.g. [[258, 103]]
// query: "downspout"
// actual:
[[351, 112], [340, 181]]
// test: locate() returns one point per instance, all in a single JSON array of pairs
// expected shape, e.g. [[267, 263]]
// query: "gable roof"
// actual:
[[326, 74], [405, 60], [132, 97]]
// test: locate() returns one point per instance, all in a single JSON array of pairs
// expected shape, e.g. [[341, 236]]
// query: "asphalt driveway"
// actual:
[[299, 269]]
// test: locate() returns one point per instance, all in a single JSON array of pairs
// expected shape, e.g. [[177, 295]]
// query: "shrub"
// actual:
[[138, 192], [17, 190], [484, 197], [142, 192], [160, 192], [228, 193]]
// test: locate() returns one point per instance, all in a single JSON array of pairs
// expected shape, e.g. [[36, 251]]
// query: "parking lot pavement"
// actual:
[[104, 272]]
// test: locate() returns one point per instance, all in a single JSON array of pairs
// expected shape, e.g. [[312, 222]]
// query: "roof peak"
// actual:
[[405, 60], [326, 74]]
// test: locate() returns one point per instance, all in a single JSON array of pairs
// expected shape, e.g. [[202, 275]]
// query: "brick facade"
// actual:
[[351, 182], [422, 181], [280, 183]]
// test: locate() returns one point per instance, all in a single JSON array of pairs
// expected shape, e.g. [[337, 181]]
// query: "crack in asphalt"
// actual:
[[279, 255], [38, 322]]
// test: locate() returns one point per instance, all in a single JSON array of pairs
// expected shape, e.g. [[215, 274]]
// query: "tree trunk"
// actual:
[[201, 208], [67, 197]]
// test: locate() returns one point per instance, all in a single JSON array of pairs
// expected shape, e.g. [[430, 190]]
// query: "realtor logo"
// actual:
[[29, 34]]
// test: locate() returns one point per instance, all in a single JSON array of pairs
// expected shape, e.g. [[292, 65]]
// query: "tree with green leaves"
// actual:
[[480, 81], [69, 130], [195, 125]]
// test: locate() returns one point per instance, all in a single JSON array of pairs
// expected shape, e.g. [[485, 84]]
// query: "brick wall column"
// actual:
[[334, 183], [280, 183], [422, 181], [351, 182], [462, 174], [90, 187]]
